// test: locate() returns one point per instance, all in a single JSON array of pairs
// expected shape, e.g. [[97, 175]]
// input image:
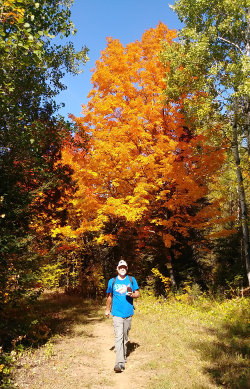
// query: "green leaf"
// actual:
[[37, 53]]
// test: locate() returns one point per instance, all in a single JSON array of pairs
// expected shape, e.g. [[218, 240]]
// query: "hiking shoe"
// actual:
[[119, 367], [122, 366]]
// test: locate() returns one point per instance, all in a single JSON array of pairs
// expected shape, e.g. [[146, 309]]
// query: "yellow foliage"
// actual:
[[109, 239], [165, 280]]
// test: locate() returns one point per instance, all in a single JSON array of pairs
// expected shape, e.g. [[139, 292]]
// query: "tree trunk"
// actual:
[[169, 266], [242, 198], [80, 274]]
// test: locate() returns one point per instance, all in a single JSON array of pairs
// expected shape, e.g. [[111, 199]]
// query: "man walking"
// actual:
[[121, 291]]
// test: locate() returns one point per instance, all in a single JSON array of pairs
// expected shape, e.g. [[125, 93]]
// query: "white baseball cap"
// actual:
[[122, 263]]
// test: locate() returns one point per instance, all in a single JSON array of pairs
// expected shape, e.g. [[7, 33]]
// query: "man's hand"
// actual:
[[135, 294], [108, 305]]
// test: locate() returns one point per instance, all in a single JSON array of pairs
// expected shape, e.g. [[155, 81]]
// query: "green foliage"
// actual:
[[31, 136], [210, 65], [209, 68], [21, 326], [6, 367]]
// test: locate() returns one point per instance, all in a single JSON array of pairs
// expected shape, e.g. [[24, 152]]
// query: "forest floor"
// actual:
[[169, 348]]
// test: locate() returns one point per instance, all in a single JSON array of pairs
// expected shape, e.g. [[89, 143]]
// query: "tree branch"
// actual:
[[231, 43]]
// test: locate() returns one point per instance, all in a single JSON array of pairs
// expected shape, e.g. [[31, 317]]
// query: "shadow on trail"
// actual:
[[132, 346], [227, 356], [62, 313], [52, 314]]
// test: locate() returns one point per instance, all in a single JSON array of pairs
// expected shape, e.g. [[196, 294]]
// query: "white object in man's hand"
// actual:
[[107, 313]]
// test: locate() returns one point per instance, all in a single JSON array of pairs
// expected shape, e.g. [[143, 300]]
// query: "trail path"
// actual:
[[83, 357], [132, 376]]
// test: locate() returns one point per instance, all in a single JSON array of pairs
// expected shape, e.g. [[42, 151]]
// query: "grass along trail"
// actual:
[[172, 346]]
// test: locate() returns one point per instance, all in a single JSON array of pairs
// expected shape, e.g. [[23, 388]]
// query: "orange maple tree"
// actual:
[[144, 164]]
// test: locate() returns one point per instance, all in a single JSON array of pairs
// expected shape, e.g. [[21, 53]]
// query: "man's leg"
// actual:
[[119, 335], [127, 326]]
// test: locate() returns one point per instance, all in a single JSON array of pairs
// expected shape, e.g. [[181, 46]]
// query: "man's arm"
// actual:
[[108, 304]]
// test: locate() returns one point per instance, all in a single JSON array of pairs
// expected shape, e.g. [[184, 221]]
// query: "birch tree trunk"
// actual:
[[242, 197]]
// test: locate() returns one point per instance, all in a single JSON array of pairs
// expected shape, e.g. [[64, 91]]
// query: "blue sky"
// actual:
[[97, 19]]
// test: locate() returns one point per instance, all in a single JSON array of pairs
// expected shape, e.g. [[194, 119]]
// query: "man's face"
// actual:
[[122, 270]]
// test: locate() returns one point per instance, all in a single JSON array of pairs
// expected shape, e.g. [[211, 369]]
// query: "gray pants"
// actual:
[[121, 329]]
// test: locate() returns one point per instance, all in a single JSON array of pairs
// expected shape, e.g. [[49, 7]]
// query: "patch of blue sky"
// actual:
[[97, 19]]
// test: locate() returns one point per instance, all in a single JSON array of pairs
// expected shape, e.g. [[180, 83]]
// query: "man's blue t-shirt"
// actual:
[[122, 305]]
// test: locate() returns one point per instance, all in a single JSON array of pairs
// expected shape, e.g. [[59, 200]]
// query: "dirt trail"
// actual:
[[130, 376], [83, 357]]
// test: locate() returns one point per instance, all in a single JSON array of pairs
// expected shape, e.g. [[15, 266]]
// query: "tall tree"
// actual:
[[214, 53], [31, 134], [144, 165]]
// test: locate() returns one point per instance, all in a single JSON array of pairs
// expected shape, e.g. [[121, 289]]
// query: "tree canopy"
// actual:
[[144, 165], [212, 56], [31, 134]]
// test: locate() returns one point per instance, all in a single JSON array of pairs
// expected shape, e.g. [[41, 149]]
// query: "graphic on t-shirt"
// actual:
[[120, 288]]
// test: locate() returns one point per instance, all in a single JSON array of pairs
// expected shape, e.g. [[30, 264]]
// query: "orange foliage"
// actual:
[[10, 12], [143, 163]]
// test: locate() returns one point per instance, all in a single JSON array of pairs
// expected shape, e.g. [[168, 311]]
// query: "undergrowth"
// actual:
[[30, 326], [214, 333]]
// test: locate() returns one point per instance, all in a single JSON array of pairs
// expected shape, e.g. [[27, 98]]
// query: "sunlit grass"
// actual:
[[202, 344]]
